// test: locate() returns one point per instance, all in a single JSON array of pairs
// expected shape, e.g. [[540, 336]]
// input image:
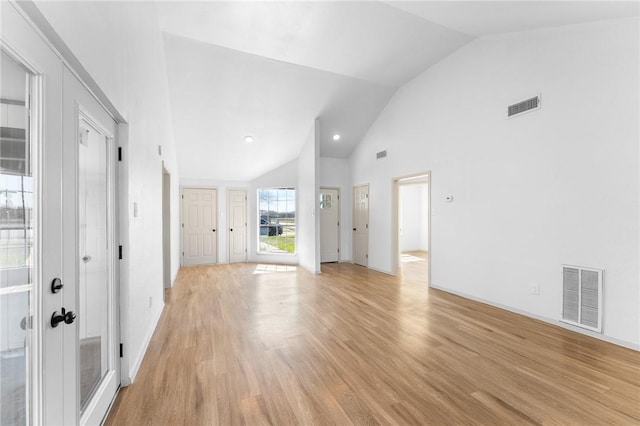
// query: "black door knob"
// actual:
[[63, 316], [214, 230], [69, 317], [354, 229], [231, 229]]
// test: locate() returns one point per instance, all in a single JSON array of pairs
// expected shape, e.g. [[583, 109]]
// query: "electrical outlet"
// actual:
[[535, 289]]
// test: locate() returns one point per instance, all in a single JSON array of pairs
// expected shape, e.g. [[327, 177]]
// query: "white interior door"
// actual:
[[58, 201], [361, 225], [199, 216], [90, 252], [329, 225], [237, 225]]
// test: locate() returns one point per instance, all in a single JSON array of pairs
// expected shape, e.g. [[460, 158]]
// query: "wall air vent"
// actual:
[[381, 154], [582, 297], [527, 105]]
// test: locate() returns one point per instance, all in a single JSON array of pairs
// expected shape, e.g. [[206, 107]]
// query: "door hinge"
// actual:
[[367, 226], [121, 350], [366, 256], [182, 254], [120, 252], [338, 250], [338, 223], [119, 153], [183, 225]]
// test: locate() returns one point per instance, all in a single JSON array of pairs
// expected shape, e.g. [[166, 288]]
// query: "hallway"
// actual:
[[260, 344]]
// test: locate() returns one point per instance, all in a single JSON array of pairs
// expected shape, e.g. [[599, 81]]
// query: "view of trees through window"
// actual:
[[277, 218]]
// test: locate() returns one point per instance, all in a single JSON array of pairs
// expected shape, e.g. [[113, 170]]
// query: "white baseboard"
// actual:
[[138, 362], [551, 321]]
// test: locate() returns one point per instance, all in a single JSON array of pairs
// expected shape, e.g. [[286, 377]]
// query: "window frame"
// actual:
[[259, 217]]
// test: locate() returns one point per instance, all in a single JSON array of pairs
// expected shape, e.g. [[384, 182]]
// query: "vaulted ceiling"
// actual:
[[268, 69]]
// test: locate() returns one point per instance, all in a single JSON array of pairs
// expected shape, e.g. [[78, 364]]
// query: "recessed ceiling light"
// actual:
[[248, 139], [336, 137]]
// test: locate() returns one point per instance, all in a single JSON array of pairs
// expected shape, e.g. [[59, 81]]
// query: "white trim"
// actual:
[[143, 350]]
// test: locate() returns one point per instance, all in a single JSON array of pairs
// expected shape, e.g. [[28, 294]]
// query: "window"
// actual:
[[277, 219]]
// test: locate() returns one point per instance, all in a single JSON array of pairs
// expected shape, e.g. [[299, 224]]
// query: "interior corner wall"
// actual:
[[308, 193], [555, 186], [334, 172], [120, 45], [285, 176]]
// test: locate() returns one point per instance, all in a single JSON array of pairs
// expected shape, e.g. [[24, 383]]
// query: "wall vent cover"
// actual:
[[527, 105], [381, 154], [582, 297]]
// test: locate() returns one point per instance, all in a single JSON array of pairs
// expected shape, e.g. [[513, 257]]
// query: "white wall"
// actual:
[[285, 176], [120, 45], [558, 185], [413, 217], [334, 172], [307, 195]]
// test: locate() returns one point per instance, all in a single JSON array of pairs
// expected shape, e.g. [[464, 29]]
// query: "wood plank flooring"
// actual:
[[243, 344]]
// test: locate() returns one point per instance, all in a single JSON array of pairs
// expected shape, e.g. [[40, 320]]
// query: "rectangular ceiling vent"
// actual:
[[527, 105], [582, 297]]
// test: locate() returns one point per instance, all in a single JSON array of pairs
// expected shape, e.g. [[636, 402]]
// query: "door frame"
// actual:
[[166, 229], [246, 226], [395, 222], [217, 243], [42, 29], [113, 210], [339, 189]]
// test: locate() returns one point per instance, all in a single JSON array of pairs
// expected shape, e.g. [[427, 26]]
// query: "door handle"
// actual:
[[354, 229], [214, 230], [64, 316], [56, 285], [231, 229], [86, 258]]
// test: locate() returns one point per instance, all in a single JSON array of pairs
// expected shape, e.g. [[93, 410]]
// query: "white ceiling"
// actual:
[[220, 95], [268, 69], [481, 18]]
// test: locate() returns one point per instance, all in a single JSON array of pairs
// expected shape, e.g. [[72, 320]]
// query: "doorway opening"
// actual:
[[412, 219], [166, 228]]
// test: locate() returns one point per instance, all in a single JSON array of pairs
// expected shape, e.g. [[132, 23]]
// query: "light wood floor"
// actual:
[[355, 346]]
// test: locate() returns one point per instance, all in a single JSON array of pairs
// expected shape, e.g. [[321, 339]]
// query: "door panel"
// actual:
[[361, 225], [237, 225], [43, 351], [90, 356], [329, 224], [199, 209], [52, 223]]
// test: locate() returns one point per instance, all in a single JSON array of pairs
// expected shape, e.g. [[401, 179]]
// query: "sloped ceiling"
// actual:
[[269, 69]]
